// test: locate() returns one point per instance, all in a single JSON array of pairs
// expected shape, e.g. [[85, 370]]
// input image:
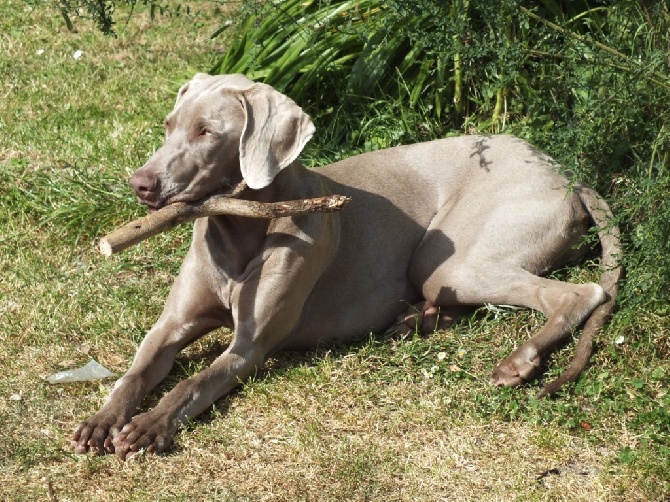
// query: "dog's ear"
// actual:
[[275, 132]]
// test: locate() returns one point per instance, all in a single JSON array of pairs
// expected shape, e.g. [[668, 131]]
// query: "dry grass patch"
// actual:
[[383, 419], [282, 439]]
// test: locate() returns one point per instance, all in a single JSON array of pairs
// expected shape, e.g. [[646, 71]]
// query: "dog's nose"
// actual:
[[145, 185]]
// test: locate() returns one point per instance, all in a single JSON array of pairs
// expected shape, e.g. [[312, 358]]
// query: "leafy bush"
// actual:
[[100, 11], [586, 81]]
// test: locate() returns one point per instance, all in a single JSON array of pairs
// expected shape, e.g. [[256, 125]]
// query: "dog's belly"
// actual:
[[396, 195], [344, 313], [366, 285]]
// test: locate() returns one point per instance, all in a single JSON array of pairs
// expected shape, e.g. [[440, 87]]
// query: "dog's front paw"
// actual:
[[144, 432], [96, 434]]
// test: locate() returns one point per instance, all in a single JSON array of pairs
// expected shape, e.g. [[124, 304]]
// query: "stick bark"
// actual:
[[180, 212]]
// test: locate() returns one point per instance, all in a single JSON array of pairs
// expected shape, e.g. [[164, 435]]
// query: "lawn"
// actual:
[[383, 419]]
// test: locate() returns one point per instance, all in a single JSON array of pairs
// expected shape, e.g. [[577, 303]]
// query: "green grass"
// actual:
[[382, 419]]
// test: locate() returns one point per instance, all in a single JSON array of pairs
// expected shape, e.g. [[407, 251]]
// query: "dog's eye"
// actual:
[[203, 131]]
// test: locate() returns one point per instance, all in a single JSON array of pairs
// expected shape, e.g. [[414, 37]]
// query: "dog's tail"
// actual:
[[612, 272]]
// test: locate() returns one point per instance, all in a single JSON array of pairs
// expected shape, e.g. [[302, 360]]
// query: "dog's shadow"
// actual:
[[203, 353]]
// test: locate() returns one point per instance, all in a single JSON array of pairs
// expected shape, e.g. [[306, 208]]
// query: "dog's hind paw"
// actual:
[[516, 369], [425, 318]]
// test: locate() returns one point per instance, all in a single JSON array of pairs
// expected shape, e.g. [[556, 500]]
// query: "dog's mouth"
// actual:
[[153, 204], [229, 190], [152, 207]]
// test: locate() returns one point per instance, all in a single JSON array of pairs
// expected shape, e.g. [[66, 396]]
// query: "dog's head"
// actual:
[[222, 129]]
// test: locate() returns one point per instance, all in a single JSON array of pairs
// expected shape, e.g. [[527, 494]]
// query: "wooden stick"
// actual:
[[180, 212]]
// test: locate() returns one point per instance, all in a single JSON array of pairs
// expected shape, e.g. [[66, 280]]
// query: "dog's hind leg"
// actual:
[[499, 263], [564, 304]]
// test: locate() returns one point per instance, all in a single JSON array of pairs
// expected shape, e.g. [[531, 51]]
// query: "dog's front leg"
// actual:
[[264, 316], [151, 365], [190, 312], [266, 307], [154, 429]]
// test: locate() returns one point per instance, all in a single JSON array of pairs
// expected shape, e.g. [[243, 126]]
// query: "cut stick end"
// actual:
[[106, 248]]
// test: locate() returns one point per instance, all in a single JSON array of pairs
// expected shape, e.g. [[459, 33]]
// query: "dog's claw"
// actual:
[[96, 435], [142, 433]]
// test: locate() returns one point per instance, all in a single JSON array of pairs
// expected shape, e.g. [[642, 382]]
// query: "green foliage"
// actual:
[[74, 202], [586, 82], [100, 11]]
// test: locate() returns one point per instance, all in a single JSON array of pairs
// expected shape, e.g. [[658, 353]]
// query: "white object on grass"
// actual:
[[93, 370]]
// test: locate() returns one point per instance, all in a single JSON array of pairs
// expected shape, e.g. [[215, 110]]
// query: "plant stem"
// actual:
[[458, 9], [659, 79]]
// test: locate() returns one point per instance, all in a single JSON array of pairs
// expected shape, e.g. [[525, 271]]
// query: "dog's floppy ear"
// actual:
[[275, 132]]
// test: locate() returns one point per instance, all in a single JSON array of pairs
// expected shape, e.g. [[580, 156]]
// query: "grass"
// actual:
[[383, 419]]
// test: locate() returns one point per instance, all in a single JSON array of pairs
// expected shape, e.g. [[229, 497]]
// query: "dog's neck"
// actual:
[[238, 238], [293, 182]]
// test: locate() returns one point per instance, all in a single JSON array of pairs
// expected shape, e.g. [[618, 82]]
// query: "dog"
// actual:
[[437, 226]]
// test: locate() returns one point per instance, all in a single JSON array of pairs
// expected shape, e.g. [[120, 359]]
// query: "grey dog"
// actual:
[[436, 226]]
